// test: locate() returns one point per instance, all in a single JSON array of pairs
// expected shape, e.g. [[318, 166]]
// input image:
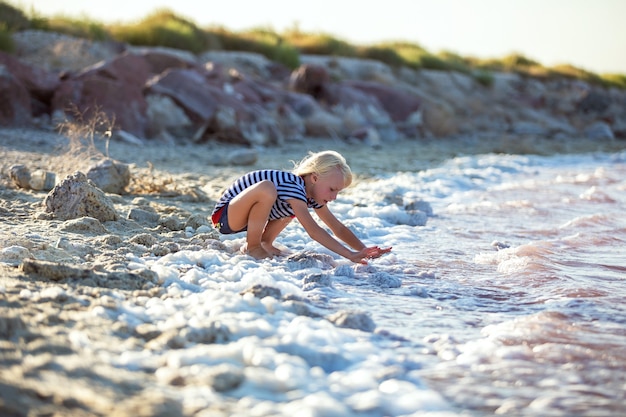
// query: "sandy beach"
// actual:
[[181, 182], [56, 277], [53, 273]]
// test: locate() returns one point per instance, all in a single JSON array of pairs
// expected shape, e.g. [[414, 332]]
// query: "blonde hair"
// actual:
[[322, 163]]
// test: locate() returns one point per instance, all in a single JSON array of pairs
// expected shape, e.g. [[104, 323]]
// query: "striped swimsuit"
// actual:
[[288, 186]]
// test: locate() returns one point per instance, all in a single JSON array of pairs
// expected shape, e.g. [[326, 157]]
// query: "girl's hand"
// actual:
[[368, 253], [376, 252]]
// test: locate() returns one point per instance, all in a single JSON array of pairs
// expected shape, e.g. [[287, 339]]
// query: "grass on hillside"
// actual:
[[165, 28]]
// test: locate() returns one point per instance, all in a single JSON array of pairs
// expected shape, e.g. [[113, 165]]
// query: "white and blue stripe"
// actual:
[[288, 186]]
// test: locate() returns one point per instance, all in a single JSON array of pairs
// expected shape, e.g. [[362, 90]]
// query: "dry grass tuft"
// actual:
[[149, 181], [83, 134], [89, 136]]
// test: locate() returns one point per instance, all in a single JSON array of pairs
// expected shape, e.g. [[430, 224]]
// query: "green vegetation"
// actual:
[[319, 44], [261, 41], [80, 28], [13, 19], [165, 28], [6, 42], [615, 80]]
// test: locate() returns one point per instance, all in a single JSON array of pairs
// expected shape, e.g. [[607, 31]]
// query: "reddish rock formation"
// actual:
[[15, 107], [397, 103], [245, 98]]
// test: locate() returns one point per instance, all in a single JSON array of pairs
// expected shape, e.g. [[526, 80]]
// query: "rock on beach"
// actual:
[[76, 196]]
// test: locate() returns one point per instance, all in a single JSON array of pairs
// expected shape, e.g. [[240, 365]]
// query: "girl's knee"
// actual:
[[268, 189]]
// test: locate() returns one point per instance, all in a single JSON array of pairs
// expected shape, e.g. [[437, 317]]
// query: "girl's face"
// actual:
[[324, 188]]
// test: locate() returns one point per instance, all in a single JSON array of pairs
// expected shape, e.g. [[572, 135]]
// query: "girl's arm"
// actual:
[[320, 235], [339, 229], [345, 234]]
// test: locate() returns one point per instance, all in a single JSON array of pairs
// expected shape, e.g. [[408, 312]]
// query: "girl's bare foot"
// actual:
[[271, 249], [256, 252]]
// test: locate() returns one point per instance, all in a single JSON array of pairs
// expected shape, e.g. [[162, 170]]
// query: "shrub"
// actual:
[[320, 44], [571, 71], [80, 28], [483, 77], [261, 41], [430, 61], [410, 53], [12, 19], [381, 53], [232, 42], [163, 28], [614, 80], [286, 55], [516, 60], [486, 64], [6, 41], [455, 62]]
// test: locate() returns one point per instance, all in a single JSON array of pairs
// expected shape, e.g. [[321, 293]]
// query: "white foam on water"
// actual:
[[480, 282]]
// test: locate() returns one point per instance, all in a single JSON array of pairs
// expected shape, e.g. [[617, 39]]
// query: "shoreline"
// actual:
[[182, 182], [45, 147]]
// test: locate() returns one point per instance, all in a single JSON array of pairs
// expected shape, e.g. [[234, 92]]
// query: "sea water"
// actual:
[[503, 295]]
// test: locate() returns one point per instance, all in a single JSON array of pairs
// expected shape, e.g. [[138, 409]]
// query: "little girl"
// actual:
[[263, 202]]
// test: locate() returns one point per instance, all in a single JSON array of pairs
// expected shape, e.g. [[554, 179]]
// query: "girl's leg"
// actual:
[[251, 208], [272, 230]]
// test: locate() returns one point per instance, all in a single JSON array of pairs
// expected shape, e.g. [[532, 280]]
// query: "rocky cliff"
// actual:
[[149, 93]]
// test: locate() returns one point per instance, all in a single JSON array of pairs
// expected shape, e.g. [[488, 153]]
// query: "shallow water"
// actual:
[[504, 294], [526, 312]]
